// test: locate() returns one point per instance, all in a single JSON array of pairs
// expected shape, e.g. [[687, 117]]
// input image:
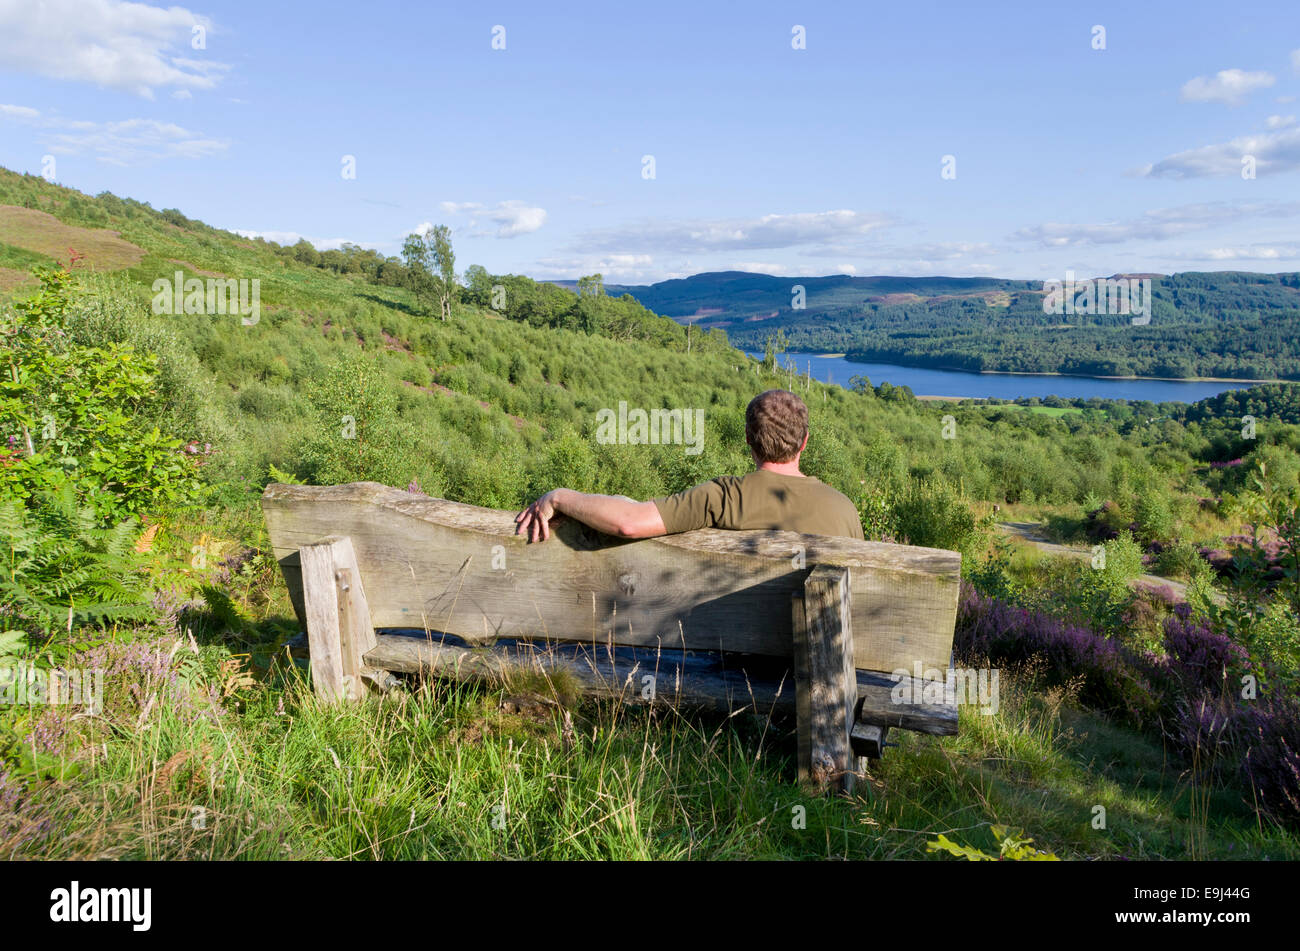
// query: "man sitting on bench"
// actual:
[[776, 495]]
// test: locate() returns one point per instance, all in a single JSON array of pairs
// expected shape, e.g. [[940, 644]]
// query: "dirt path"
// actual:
[[1032, 532]]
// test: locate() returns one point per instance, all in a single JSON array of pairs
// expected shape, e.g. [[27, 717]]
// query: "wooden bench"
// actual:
[[767, 620]]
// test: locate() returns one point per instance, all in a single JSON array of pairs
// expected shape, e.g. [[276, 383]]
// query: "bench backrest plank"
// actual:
[[444, 566]]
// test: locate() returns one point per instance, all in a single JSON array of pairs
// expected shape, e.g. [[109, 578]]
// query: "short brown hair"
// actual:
[[776, 425]]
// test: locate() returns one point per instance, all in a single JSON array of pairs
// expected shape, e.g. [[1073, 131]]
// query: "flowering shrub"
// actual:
[[141, 678], [1205, 728], [1271, 765], [145, 673], [1199, 658], [23, 824], [1193, 692], [1115, 678]]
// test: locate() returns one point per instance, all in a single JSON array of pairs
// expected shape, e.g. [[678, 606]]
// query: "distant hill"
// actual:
[[1229, 324], [723, 298]]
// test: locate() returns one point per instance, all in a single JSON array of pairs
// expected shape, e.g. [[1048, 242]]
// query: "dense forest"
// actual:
[[1232, 325], [134, 447]]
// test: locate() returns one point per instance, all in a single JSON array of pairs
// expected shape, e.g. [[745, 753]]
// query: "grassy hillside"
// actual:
[[136, 546]]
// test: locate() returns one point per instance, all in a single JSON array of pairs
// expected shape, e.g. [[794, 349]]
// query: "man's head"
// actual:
[[776, 426]]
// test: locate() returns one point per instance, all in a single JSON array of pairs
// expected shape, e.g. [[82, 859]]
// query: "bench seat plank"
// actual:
[[702, 679]]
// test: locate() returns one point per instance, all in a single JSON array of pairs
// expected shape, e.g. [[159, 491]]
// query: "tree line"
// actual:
[[1233, 325]]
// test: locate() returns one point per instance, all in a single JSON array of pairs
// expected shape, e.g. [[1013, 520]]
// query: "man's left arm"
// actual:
[[615, 515]]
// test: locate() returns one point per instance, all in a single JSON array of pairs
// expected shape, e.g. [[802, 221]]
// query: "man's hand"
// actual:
[[535, 521], [614, 515]]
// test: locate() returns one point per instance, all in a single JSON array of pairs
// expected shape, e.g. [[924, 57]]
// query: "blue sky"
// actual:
[[820, 160]]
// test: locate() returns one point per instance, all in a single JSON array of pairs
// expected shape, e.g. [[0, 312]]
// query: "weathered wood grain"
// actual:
[[321, 617], [681, 678], [356, 634], [802, 698], [442, 566], [339, 632], [877, 704], [825, 683]]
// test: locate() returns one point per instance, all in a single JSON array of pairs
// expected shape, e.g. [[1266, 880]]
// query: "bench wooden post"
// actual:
[[339, 632], [826, 685]]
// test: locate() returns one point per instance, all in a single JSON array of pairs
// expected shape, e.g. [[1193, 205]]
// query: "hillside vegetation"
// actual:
[[136, 444]]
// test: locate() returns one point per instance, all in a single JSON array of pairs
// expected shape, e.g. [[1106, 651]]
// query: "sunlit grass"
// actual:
[[435, 770]]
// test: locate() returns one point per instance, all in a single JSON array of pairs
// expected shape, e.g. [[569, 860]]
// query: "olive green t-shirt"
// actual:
[[761, 500]]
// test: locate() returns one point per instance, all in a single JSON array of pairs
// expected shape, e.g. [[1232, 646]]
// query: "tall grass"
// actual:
[[192, 759]]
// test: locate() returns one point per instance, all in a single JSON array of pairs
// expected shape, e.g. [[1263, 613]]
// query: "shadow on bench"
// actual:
[[773, 621]]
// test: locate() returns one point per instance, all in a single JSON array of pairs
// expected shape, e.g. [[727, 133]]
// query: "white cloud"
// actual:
[[616, 268], [640, 268], [953, 250], [956, 258], [182, 94], [293, 237], [1295, 60], [512, 218], [815, 244], [126, 142], [18, 112], [1254, 253], [761, 267], [1279, 122], [132, 141], [929, 253], [112, 43], [688, 236], [1230, 86], [1277, 151], [515, 218], [777, 269], [1156, 225]]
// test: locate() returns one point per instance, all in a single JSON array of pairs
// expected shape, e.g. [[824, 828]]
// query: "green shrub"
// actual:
[[1103, 590], [933, 514], [1154, 516], [1181, 561], [186, 402], [264, 402], [59, 567], [568, 463], [81, 416], [357, 435]]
